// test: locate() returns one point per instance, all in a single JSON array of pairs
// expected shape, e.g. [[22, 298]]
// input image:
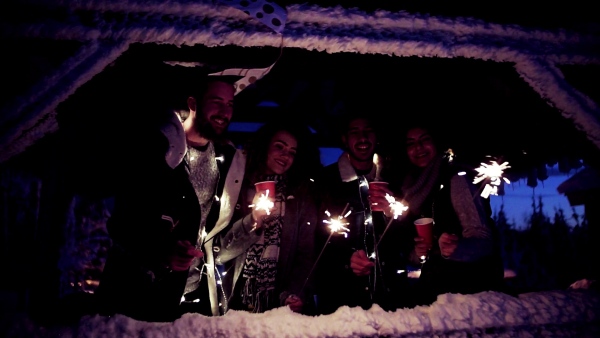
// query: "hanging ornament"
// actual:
[[265, 11]]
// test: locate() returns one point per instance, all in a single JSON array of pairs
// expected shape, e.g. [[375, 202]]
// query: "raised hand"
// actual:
[[378, 201]]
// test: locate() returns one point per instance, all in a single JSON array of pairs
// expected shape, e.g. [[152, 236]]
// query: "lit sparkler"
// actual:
[[492, 175], [264, 202], [397, 208], [336, 225]]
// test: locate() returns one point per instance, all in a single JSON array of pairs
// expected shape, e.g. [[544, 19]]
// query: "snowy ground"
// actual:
[[568, 313]]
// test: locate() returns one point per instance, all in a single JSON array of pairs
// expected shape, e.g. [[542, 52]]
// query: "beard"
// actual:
[[206, 130]]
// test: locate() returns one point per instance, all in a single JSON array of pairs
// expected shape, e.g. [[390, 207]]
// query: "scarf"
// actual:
[[260, 266], [418, 186]]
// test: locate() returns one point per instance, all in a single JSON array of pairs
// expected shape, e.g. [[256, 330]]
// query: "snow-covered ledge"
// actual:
[[568, 313]]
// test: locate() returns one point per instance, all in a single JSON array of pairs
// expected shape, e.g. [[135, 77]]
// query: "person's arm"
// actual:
[[243, 232], [238, 239], [476, 240]]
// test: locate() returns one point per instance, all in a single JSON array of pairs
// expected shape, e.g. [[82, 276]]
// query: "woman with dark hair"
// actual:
[[268, 255], [463, 256]]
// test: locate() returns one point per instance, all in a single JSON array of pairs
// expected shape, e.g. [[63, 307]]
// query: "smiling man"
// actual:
[[210, 113], [347, 273], [216, 169], [166, 223]]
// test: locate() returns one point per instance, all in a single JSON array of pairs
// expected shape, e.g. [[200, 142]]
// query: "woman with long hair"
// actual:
[[268, 254], [463, 255]]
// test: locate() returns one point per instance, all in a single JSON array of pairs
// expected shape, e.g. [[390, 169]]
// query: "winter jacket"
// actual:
[[296, 255], [156, 206], [219, 217], [476, 264], [336, 284]]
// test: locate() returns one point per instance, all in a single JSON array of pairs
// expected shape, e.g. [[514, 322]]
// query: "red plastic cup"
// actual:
[[377, 188], [425, 229], [262, 187], [376, 185]]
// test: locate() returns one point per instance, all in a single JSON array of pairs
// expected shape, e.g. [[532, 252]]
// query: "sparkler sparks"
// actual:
[[492, 174], [337, 225], [397, 207], [264, 202]]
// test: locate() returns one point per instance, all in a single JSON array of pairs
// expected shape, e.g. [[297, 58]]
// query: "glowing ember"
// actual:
[[492, 174]]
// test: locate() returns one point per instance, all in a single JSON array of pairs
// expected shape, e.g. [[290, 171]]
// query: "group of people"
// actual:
[[188, 235]]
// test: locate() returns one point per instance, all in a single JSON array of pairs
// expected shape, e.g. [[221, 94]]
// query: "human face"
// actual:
[[360, 140], [215, 110], [420, 147], [281, 153]]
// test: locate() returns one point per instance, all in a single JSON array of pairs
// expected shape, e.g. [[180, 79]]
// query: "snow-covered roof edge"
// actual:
[[535, 53]]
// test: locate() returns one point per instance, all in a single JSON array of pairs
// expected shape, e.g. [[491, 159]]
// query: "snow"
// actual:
[[562, 313]]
